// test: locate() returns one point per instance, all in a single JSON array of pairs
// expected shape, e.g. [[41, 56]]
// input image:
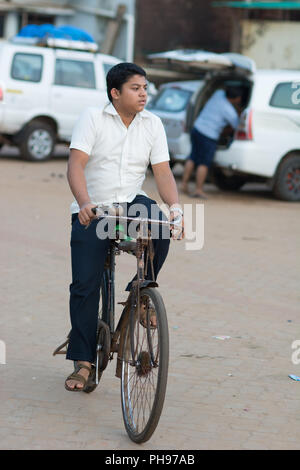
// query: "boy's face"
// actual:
[[132, 97]]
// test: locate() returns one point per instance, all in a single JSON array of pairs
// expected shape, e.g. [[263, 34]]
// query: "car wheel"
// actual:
[[37, 142], [226, 183], [287, 180]]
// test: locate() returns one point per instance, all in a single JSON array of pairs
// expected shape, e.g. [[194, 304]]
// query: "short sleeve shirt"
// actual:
[[118, 156], [215, 115]]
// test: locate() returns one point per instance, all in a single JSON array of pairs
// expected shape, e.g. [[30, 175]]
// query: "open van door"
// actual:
[[206, 65], [197, 61]]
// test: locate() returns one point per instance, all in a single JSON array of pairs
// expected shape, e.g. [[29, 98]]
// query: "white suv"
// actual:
[[266, 146], [42, 92], [267, 142]]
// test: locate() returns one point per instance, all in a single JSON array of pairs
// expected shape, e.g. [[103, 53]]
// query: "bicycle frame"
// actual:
[[142, 241], [117, 335]]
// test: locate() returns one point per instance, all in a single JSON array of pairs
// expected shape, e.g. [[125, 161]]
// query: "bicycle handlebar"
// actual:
[[174, 223]]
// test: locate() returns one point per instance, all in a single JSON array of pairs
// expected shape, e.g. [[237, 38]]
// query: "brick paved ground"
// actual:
[[222, 394]]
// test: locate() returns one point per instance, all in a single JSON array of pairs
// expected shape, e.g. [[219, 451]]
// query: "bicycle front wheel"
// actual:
[[144, 376]]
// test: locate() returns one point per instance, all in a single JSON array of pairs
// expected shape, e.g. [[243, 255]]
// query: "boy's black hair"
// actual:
[[120, 74]]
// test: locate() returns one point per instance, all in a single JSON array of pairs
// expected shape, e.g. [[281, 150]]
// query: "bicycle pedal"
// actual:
[[59, 349]]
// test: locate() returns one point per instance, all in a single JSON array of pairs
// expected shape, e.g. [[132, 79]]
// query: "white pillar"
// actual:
[[11, 25], [130, 37]]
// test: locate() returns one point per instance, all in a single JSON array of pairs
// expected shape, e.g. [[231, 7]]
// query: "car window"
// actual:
[[286, 95], [27, 67], [107, 67], [75, 73], [171, 100]]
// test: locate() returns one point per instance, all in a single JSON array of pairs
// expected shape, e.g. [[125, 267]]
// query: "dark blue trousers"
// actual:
[[203, 149], [88, 255]]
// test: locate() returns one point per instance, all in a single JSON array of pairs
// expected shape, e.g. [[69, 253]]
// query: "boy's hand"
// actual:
[[85, 214], [178, 232]]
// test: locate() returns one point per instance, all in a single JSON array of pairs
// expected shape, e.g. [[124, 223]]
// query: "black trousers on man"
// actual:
[[88, 254]]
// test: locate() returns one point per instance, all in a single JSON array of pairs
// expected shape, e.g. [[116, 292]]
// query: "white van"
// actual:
[[42, 92], [266, 146]]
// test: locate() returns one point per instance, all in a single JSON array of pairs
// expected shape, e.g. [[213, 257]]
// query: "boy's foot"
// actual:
[[84, 372]]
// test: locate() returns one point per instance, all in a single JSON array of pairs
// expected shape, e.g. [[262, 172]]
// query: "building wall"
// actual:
[[272, 44], [170, 24], [91, 15], [96, 24]]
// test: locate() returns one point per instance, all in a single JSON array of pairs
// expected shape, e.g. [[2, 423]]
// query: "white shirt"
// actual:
[[118, 156]]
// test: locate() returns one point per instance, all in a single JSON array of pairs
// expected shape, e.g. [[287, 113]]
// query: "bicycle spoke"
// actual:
[[142, 394], [142, 388]]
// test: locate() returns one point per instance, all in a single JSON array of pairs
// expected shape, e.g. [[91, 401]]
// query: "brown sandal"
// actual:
[[79, 378], [143, 316]]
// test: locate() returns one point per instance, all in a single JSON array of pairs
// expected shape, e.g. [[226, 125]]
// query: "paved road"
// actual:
[[222, 394]]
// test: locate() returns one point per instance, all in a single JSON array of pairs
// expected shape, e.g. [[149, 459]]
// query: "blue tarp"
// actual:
[[60, 32]]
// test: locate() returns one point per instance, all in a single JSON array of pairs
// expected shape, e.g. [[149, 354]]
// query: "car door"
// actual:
[[74, 89], [25, 90], [276, 125], [285, 100]]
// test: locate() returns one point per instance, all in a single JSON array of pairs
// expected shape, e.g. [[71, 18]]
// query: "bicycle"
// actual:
[[141, 338]]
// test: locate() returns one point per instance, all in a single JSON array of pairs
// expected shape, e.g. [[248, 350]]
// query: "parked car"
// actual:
[[266, 145], [42, 92], [171, 104]]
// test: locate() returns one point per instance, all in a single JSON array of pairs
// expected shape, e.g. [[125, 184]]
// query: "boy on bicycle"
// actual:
[[110, 151]]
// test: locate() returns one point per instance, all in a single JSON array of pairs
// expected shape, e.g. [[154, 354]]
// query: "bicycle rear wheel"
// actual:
[[144, 379]]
